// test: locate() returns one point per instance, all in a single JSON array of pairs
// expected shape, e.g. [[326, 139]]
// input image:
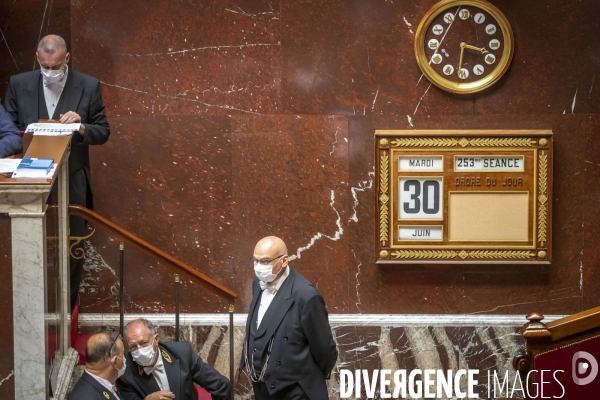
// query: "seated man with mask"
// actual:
[[10, 138], [165, 370], [105, 362]]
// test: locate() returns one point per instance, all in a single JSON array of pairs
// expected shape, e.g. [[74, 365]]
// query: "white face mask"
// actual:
[[265, 272], [145, 355], [121, 371], [52, 75]]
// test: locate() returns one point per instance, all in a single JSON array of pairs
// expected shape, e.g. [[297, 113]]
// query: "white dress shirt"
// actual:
[[159, 373], [109, 386], [53, 91], [268, 294]]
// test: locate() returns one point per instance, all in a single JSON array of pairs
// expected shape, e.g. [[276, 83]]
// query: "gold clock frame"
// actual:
[[469, 87], [537, 145]]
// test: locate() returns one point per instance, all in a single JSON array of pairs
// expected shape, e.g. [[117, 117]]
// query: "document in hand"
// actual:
[[52, 129], [35, 168]]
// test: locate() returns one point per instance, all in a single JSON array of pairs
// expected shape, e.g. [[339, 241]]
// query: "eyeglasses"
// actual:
[[265, 261], [114, 342]]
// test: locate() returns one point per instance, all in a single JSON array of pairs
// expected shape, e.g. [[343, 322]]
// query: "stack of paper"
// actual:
[[52, 129], [35, 168]]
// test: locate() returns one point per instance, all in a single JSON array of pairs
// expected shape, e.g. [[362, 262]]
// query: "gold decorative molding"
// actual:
[[79, 252], [384, 142], [541, 254], [384, 254], [543, 142], [464, 142], [384, 171], [542, 198], [463, 254]]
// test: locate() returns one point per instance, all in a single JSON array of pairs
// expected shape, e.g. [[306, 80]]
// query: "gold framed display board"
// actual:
[[464, 196]]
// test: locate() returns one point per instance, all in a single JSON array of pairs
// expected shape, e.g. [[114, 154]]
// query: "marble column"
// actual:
[[29, 305]]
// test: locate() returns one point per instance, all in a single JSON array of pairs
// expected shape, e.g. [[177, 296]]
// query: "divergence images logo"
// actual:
[[581, 367]]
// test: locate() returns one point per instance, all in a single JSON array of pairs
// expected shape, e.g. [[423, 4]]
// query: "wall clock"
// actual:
[[464, 46]]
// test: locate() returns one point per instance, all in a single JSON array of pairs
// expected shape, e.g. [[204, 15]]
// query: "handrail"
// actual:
[[152, 251]]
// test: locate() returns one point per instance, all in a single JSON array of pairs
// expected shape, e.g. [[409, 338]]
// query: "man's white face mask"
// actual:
[[145, 355], [53, 75], [265, 272]]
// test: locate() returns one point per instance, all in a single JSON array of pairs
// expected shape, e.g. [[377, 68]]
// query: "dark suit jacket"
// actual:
[[303, 347], [87, 388], [82, 94], [10, 138], [184, 368]]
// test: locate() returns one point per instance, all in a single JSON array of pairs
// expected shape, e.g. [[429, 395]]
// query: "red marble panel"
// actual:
[[290, 180], [167, 181], [357, 58], [589, 272], [22, 24], [154, 58]]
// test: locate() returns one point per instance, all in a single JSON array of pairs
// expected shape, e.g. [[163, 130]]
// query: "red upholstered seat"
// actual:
[[202, 394], [78, 340]]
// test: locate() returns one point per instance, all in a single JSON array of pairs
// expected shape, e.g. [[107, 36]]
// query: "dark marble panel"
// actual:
[[7, 389], [358, 349], [167, 181], [22, 24], [589, 272], [290, 180], [154, 58], [357, 58]]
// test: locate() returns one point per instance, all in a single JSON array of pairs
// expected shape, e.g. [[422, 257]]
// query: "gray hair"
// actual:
[[149, 325], [51, 43]]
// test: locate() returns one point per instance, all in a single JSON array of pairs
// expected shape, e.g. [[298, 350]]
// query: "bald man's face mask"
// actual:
[[265, 272]]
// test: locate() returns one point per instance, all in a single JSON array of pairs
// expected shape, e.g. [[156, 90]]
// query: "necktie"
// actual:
[[264, 286], [160, 374]]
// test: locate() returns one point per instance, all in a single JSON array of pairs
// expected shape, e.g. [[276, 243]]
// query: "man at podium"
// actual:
[[60, 93], [10, 139]]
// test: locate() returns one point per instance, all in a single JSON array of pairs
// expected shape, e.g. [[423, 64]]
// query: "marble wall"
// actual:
[[232, 120], [453, 347], [235, 120]]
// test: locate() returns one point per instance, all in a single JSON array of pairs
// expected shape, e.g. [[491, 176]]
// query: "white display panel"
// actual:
[[489, 163], [421, 198], [412, 163], [420, 232]]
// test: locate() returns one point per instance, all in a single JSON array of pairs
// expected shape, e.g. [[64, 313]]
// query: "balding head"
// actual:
[[52, 52], [100, 348], [272, 250], [51, 44], [271, 244]]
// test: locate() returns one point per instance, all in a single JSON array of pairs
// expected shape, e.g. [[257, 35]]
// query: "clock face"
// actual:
[[464, 45]]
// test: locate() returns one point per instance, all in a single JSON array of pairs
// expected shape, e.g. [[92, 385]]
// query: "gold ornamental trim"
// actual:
[[78, 253], [464, 142], [463, 254], [384, 168], [542, 198]]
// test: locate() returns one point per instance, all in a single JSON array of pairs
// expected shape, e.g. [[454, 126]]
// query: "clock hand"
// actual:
[[467, 46], [462, 49]]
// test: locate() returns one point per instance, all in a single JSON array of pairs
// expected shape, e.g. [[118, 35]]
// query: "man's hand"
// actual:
[[162, 395], [72, 117]]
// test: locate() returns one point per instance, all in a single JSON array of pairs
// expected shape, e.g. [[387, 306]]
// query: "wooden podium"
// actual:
[[41, 338]]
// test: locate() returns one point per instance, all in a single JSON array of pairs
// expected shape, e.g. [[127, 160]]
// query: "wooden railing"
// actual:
[[542, 337], [177, 266], [147, 248]]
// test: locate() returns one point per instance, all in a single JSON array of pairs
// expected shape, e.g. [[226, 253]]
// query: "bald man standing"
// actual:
[[58, 92], [289, 350]]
